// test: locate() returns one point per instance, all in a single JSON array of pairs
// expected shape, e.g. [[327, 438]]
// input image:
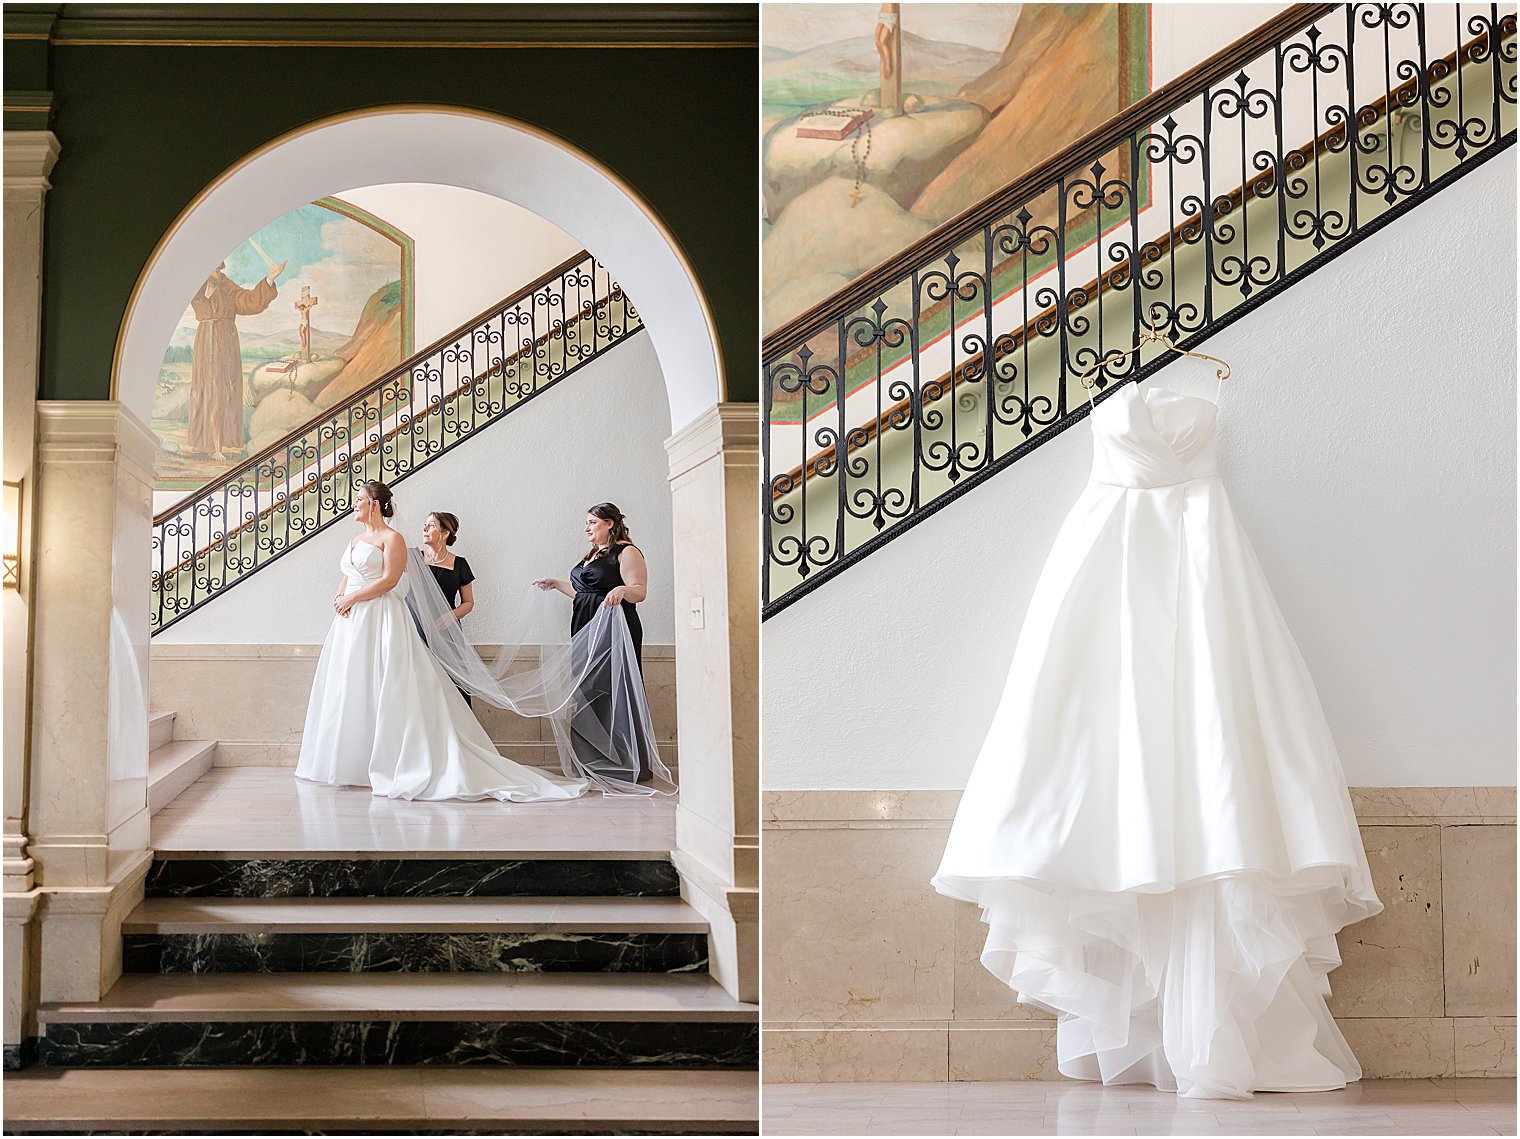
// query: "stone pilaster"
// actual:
[[87, 791], [714, 472], [29, 158]]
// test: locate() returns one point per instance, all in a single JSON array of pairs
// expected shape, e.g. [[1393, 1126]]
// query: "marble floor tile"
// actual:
[[1371, 1107], [224, 1095], [470, 1095], [218, 1099]]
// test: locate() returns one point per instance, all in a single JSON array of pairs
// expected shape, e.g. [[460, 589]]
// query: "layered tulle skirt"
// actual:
[[1157, 829]]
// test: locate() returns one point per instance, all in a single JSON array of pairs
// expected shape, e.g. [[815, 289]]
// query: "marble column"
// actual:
[[29, 158], [87, 792], [714, 476]]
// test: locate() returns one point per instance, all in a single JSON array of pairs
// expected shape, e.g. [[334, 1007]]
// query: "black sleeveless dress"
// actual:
[[592, 582]]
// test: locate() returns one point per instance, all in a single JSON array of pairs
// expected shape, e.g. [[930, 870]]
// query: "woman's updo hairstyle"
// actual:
[[448, 524], [381, 494], [618, 536]]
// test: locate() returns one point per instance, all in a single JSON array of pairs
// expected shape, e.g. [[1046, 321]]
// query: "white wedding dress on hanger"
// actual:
[[1157, 829], [385, 714]]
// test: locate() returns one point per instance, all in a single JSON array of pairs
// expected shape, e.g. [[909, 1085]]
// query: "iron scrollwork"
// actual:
[[960, 359], [470, 379]]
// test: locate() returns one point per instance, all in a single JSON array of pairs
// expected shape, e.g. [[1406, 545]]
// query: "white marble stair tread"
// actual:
[[174, 766], [266, 812], [214, 1101], [160, 729], [211, 997], [414, 915], [387, 846]]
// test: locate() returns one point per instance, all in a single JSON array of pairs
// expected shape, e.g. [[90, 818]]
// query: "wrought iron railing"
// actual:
[[424, 407], [956, 357]]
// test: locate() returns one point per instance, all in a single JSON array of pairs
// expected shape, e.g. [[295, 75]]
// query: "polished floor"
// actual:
[[1372, 1107], [442, 1100], [268, 812]]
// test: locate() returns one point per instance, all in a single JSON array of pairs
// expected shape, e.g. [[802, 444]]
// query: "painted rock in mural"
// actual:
[[825, 233], [898, 154], [278, 414], [305, 376]]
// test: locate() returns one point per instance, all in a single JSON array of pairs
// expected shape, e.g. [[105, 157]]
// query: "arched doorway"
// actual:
[[456, 147], [713, 573]]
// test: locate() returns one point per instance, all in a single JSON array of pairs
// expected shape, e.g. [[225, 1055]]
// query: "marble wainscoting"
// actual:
[[870, 975], [251, 699]]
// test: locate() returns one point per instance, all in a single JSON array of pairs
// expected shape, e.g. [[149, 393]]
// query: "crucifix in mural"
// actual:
[[245, 368], [883, 120]]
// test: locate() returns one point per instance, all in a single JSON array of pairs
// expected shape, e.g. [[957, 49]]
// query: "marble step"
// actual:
[[533, 1019], [415, 874], [371, 1101], [160, 729], [402, 997], [350, 935], [174, 766]]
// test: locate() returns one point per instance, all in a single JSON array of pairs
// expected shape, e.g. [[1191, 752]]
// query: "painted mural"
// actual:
[[881, 121], [305, 312]]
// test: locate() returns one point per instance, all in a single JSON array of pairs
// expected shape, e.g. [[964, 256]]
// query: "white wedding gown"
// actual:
[[384, 714], [1157, 828]]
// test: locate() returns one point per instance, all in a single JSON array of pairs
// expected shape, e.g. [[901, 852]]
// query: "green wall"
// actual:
[[144, 128]]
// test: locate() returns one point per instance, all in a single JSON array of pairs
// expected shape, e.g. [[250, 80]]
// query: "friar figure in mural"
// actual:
[[216, 363]]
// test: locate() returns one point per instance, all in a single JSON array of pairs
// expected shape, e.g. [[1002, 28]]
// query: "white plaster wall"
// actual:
[[1368, 443], [520, 489], [1184, 35], [471, 249]]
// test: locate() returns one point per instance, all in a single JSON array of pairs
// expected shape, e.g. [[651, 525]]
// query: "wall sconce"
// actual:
[[12, 535]]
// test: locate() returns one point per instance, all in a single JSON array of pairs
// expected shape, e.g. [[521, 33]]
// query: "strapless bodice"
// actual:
[[361, 563], [1153, 437]]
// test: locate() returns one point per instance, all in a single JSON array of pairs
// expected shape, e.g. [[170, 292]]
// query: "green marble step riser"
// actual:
[[244, 1043], [411, 878], [544, 951]]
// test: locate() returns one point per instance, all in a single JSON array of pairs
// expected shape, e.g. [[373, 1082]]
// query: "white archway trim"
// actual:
[[442, 145]]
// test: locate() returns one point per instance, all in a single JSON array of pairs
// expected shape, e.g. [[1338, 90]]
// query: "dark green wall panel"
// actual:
[[144, 129]]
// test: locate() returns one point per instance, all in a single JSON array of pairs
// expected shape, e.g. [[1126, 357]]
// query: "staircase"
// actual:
[[462, 383], [560, 986], [959, 356]]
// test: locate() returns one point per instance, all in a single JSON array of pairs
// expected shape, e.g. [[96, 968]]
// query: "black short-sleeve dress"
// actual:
[[451, 579]]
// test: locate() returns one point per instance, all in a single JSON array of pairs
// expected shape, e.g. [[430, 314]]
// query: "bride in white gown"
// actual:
[[383, 712], [1157, 830]]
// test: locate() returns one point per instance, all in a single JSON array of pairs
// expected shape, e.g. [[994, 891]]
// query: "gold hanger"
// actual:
[[1147, 335]]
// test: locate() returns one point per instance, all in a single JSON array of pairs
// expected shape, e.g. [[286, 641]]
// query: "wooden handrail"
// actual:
[[1100, 140], [379, 382], [348, 460], [858, 437]]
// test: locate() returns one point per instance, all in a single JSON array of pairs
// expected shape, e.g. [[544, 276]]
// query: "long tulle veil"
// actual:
[[589, 688]]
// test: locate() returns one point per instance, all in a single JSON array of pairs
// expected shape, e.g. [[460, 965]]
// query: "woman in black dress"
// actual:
[[613, 572], [451, 571]]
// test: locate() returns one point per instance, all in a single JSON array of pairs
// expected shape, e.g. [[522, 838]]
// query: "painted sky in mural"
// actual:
[[251, 359]]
